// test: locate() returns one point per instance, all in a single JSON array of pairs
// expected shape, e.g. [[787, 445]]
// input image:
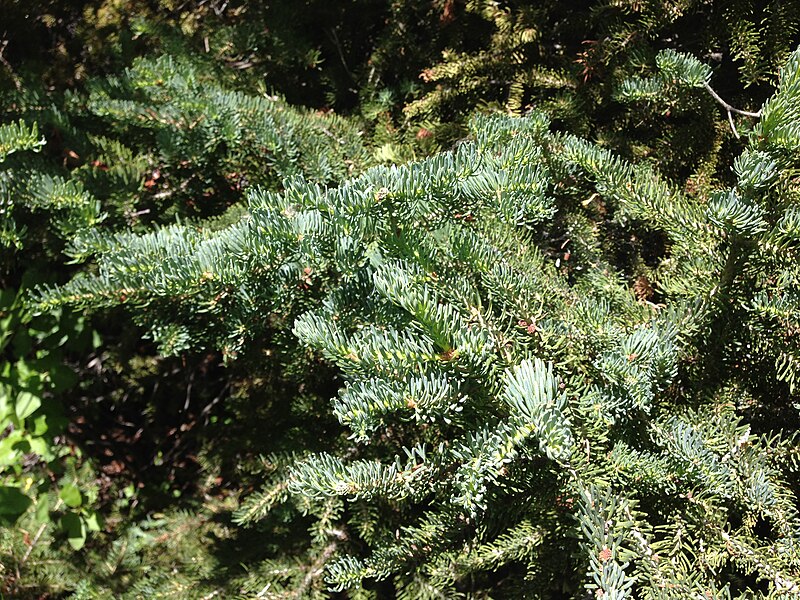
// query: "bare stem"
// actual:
[[9, 68], [733, 125], [727, 106], [730, 109]]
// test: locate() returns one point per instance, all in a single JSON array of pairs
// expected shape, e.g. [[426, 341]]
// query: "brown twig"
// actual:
[[17, 81], [730, 109]]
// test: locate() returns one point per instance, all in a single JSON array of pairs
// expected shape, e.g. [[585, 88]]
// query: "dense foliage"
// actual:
[[521, 321]]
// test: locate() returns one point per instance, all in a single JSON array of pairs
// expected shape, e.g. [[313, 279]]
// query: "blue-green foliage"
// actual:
[[506, 395], [142, 146], [26, 189], [197, 125]]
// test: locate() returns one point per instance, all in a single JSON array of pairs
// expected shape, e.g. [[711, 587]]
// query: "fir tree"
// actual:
[[533, 410], [163, 139]]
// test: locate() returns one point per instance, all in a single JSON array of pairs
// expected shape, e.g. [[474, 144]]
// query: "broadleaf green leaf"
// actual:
[[76, 530], [71, 495], [43, 509], [13, 503], [26, 404]]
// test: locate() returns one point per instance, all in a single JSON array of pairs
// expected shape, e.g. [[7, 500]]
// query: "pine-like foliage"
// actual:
[[168, 137], [548, 50], [200, 127], [561, 372], [570, 59], [23, 189]]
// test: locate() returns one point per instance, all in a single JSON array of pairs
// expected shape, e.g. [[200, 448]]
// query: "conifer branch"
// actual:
[[727, 106], [730, 109], [444, 297]]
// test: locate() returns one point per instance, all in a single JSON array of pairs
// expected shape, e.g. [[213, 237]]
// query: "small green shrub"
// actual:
[[562, 373]]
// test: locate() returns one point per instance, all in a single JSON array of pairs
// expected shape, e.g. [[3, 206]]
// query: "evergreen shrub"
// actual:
[[562, 374], [164, 139]]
